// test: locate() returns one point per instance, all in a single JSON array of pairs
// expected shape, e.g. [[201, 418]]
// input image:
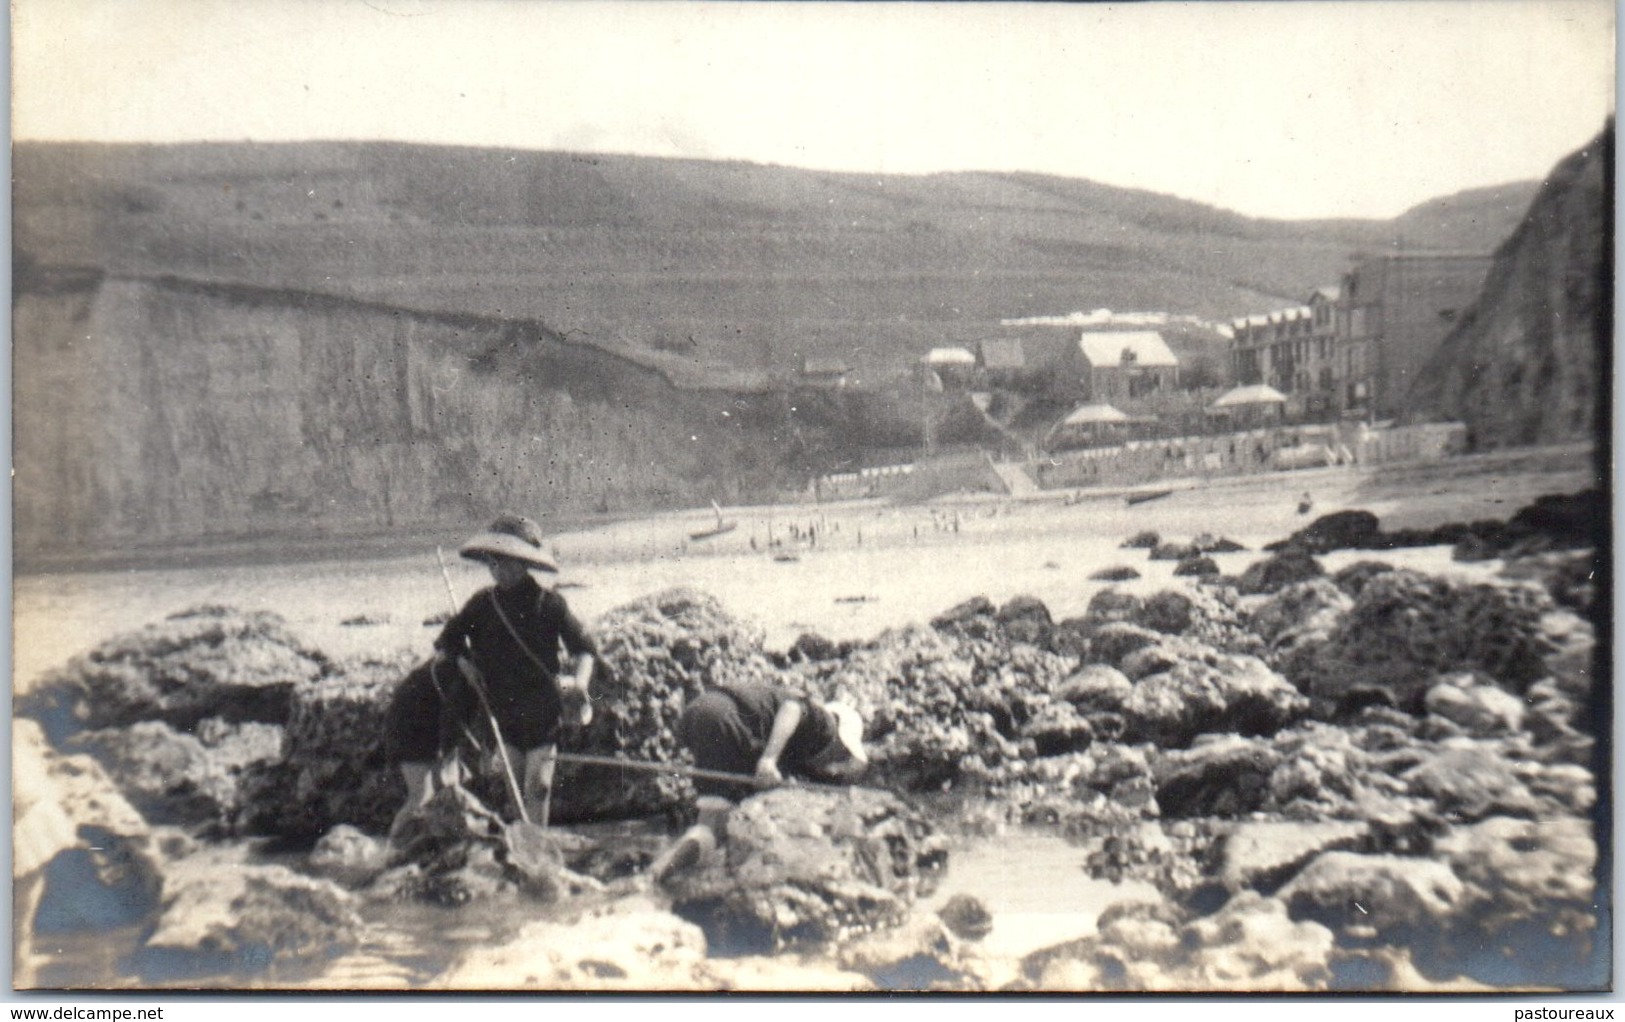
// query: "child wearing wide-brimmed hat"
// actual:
[[504, 672]]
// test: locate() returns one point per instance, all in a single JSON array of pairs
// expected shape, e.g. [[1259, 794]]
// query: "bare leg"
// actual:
[[540, 765], [417, 777]]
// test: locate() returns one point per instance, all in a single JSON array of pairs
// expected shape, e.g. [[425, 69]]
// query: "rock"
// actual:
[[919, 955], [1142, 541], [807, 867], [966, 917], [1568, 576], [333, 769], [1207, 543], [1173, 552], [224, 916], [1406, 627], [1478, 709], [185, 779], [1114, 641], [1353, 578], [1025, 619], [1237, 693], [1250, 945], [1116, 573], [1367, 897], [349, 857], [1526, 870], [1340, 530], [630, 945], [964, 613], [1196, 566], [1470, 780], [1057, 729], [656, 654], [1325, 774], [1096, 688], [1142, 663], [202, 662], [1262, 855], [1219, 776], [814, 648], [1296, 612], [1289, 565], [1110, 605]]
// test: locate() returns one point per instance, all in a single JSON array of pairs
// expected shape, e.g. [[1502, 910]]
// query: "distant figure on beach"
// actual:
[[498, 676], [763, 734], [1306, 504]]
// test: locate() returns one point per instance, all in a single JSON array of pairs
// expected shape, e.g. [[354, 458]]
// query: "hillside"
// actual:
[[223, 344], [720, 274], [1528, 363]]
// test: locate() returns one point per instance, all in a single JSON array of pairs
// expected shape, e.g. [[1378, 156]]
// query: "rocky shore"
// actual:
[[1375, 779]]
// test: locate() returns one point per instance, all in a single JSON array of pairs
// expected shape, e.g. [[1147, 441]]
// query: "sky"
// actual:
[[1291, 109]]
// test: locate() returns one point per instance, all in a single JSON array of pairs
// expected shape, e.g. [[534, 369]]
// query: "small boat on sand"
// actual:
[[1145, 495], [720, 528]]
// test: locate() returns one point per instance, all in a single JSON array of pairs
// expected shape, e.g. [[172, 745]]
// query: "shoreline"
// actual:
[[1375, 483]]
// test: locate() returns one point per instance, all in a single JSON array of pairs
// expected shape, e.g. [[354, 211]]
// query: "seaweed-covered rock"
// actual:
[[804, 867], [1173, 552], [333, 769], [1112, 642], [1115, 573], [1056, 729], [1209, 615], [1207, 543], [1296, 622], [1142, 541], [1340, 530], [657, 653], [1095, 688], [203, 662], [1406, 627], [1026, 619], [1289, 565], [1112, 604], [1352, 579], [1326, 773], [977, 609], [349, 856], [1568, 576], [1234, 693], [1218, 776], [1197, 567], [187, 779]]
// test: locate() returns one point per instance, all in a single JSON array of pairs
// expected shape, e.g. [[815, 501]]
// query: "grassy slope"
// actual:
[[724, 273]]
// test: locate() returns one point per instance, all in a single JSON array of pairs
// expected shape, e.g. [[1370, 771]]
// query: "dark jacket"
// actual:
[[519, 667]]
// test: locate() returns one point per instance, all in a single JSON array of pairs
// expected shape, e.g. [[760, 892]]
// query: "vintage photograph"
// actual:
[[929, 498]]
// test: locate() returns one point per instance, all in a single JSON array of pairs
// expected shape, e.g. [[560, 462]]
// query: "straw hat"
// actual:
[[512, 536], [849, 730]]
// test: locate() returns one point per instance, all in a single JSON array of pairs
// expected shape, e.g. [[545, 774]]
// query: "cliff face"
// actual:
[[151, 412], [1525, 365], [156, 412]]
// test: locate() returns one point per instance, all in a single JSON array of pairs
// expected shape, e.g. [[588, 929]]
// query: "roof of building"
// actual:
[[1003, 353], [1090, 414], [1107, 349], [1253, 394], [950, 357], [1331, 294]]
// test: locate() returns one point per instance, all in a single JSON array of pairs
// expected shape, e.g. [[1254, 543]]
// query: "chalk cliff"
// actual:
[[1527, 364]]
